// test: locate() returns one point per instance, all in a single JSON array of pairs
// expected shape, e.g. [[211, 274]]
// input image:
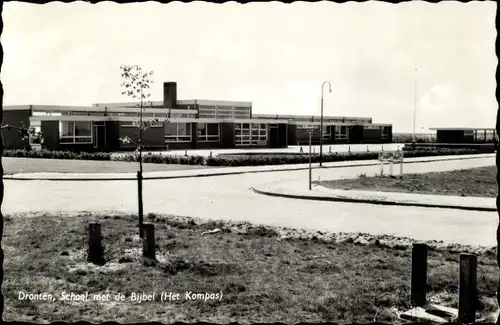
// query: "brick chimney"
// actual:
[[170, 94]]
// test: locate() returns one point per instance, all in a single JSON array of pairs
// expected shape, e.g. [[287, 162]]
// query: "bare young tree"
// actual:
[[136, 84]]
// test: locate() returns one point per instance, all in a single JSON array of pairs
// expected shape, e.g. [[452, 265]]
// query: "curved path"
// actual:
[[229, 197]]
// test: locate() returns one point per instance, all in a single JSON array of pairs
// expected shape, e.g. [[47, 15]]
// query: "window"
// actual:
[[489, 135], [341, 132], [75, 132], [250, 134], [206, 111], [385, 132], [208, 132], [242, 112], [182, 115], [37, 125], [224, 112], [178, 132], [78, 113], [327, 135]]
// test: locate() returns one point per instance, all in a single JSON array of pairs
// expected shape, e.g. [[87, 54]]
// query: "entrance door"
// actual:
[[273, 137], [100, 136]]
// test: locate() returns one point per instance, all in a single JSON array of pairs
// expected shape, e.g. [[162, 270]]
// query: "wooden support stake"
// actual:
[[149, 246], [467, 287], [140, 203], [419, 275], [95, 253]]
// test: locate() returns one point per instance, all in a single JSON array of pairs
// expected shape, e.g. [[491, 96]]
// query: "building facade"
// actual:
[[464, 135], [190, 124]]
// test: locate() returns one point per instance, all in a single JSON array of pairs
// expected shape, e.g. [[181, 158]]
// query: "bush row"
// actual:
[[236, 160], [481, 147], [162, 159], [49, 154], [245, 160], [232, 160]]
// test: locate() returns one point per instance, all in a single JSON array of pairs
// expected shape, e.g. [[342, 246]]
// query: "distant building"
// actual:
[[192, 124], [464, 135]]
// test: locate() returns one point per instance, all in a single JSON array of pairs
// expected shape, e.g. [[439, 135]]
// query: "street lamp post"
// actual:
[[414, 105], [321, 122]]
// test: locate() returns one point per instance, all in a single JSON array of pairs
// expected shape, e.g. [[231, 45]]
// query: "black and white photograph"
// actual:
[[251, 163]]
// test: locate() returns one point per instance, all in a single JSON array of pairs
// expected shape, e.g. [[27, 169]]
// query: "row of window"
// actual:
[[81, 132], [223, 112], [245, 133], [181, 132], [340, 132]]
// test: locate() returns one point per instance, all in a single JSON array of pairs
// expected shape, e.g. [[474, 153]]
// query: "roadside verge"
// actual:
[[320, 193]]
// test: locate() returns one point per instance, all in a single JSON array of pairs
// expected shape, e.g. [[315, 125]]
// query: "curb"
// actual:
[[6, 177], [371, 201]]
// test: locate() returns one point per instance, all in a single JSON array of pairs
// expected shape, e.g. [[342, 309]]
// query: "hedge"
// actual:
[[49, 154], [162, 159], [234, 159], [260, 160]]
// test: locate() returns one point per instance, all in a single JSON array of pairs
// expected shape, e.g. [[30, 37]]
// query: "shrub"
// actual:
[[48, 154], [235, 160]]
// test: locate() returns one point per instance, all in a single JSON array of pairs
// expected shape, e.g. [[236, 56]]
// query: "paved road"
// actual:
[[228, 197]]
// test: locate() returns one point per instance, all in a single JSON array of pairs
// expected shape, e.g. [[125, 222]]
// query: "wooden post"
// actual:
[[391, 160], [95, 253], [301, 150], [419, 275], [185, 152], [467, 287], [148, 248], [330, 149], [139, 188]]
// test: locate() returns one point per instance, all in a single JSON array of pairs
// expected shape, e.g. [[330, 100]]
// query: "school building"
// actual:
[[464, 135], [191, 124]]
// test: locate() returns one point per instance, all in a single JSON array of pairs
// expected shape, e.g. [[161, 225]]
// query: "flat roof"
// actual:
[[291, 116], [461, 129]]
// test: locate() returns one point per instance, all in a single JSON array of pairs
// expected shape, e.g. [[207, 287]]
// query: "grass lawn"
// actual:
[[265, 274], [37, 165], [479, 182]]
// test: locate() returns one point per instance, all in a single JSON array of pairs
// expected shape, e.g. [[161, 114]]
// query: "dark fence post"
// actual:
[[419, 274], [139, 189], [95, 252], [467, 301], [149, 246]]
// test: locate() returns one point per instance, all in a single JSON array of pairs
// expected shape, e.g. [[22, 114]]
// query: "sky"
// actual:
[[272, 54]]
